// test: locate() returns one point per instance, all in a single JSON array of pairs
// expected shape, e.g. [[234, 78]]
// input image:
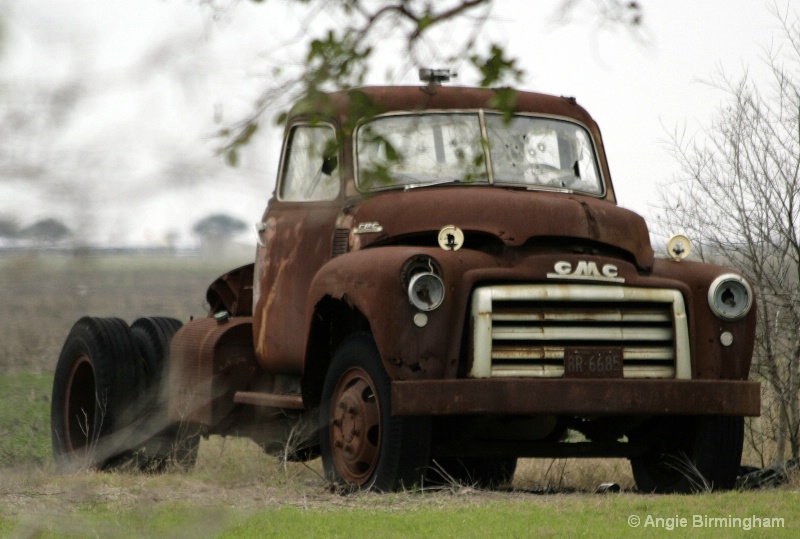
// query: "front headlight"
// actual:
[[730, 297], [426, 291]]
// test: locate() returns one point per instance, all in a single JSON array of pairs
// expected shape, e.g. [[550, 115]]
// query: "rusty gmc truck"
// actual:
[[441, 286]]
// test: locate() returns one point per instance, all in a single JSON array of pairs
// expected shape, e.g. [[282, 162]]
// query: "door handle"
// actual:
[[259, 228]]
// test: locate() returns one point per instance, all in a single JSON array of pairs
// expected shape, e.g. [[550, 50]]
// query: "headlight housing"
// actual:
[[422, 277], [426, 291], [730, 297]]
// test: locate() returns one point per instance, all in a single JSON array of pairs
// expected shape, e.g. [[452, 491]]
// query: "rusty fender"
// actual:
[[209, 361], [711, 360], [371, 282]]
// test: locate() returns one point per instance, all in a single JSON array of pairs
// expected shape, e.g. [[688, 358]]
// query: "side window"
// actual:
[[311, 171]]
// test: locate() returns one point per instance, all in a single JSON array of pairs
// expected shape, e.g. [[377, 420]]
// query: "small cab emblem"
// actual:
[[451, 238], [372, 227]]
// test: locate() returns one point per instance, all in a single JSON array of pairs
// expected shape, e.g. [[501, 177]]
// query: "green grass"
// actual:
[[25, 419], [556, 516], [431, 514]]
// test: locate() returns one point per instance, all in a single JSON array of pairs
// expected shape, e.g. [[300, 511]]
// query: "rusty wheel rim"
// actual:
[[79, 405], [355, 429]]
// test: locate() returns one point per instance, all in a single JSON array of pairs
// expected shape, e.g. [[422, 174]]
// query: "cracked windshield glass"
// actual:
[[416, 150]]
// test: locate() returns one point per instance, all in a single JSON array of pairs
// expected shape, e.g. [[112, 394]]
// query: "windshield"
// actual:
[[414, 150]]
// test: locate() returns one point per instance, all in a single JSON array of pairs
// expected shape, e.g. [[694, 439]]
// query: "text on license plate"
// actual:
[[593, 362]]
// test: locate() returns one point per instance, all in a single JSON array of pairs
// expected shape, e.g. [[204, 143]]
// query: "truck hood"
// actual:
[[513, 216]]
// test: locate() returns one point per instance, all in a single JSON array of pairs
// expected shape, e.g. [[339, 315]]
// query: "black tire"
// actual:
[[95, 383], [362, 445], [163, 444], [702, 454], [481, 472], [153, 336]]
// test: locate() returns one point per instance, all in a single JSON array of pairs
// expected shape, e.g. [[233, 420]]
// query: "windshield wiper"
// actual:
[[429, 184]]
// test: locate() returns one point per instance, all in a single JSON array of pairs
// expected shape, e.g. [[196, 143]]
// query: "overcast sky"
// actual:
[[125, 150]]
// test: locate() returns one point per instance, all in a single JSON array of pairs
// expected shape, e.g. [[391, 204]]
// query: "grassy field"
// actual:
[[44, 295], [237, 491]]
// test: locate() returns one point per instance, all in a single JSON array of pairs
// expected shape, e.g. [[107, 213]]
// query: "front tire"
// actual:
[[362, 444], [692, 455]]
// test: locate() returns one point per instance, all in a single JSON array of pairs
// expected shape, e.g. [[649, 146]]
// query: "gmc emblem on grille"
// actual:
[[585, 271]]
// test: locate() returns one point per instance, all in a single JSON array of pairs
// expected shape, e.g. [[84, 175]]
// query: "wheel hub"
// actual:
[[355, 427], [79, 405]]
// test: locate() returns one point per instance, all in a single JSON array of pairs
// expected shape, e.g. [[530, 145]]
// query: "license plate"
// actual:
[[593, 362]]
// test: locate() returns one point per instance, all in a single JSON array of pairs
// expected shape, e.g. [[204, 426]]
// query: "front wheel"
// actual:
[[362, 444], [692, 455]]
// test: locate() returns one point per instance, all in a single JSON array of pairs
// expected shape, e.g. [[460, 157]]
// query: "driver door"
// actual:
[[294, 242]]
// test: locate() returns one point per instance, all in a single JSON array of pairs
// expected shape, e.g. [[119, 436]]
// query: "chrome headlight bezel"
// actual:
[[421, 276], [730, 297], [426, 285]]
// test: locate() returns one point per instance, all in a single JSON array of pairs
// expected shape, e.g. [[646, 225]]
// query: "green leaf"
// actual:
[[246, 134], [425, 22], [232, 157], [504, 100], [496, 67]]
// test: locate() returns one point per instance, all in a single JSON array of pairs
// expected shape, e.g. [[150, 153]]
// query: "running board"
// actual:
[[269, 400]]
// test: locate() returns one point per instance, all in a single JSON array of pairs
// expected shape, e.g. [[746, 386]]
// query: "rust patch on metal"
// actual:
[[210, 361]]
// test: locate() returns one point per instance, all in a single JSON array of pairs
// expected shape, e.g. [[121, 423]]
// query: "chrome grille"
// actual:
[[340, 243], [522, 330]]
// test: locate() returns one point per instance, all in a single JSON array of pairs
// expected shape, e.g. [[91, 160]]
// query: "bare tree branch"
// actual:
[[338, 56], [738, 195]]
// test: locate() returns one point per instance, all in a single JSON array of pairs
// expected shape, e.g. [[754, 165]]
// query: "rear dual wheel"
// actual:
[[95, 382], [362, 444], [165, 444], [107, 409]]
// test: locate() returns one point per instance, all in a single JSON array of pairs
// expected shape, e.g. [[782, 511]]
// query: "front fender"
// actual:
[[711, 359], [371, 282]]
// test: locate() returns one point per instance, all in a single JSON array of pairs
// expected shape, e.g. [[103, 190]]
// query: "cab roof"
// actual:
[[357, 103]]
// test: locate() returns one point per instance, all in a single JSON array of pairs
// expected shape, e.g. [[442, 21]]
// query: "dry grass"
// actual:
[[44, 295], [571, 475]]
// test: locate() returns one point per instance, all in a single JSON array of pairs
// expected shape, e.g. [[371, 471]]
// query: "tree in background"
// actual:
[[343, 38], [218, 226], [738, 197], [8, 228], [216, 231], [45, 232]]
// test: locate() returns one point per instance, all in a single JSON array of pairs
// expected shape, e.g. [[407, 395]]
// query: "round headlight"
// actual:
[[730, 297], [426, 291]]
